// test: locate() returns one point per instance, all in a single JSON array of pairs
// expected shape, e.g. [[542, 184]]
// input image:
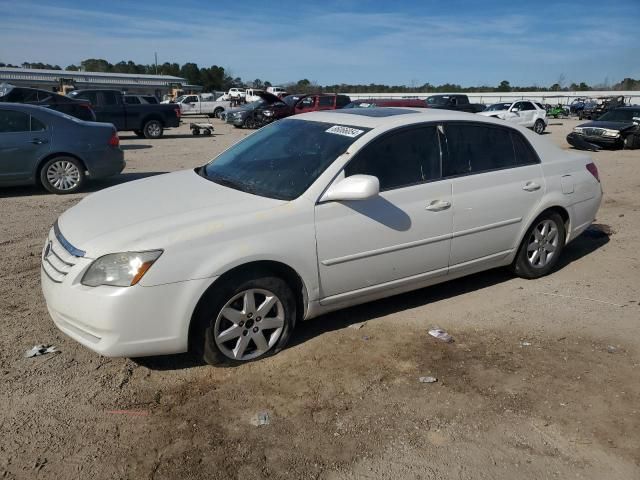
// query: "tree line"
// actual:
[[217, 78]]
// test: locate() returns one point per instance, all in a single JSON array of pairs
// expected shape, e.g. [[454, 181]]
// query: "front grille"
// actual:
[[57, 259], [594, 132]]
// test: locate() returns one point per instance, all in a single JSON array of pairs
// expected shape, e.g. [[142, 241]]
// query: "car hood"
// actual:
[[610, 125], [157, 212]]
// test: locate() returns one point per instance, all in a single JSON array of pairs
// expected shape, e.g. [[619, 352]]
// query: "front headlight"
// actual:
[[237, 114], [578, 129], [120, 269], [610, 133], [267, 113]]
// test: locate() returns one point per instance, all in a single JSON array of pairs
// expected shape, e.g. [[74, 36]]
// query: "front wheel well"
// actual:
[[260, 268], [54, 155]]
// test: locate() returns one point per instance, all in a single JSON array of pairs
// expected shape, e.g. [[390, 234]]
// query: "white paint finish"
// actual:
[[345, 252], [518, 115], [195, 105], [355, 187], [384, 238], [566, 181], [493, 206]]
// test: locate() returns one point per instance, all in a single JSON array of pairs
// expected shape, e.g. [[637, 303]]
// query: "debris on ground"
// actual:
[[441, 335], [38, 350], [132, 413], [525, 344], [611, 349], [428, 379], [357, 326], [365, 337], [262, 418]]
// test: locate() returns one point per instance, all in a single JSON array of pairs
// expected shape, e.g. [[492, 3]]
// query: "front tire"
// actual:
[[631, 142], [541, 247], [62, 175], [247, 318], [539, 127], [153, 129]]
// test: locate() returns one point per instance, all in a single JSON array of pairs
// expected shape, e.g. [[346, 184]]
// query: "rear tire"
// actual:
[[217, 112], [153, 129], [62, 175], [539, 127], [229, 329], [541, 247]]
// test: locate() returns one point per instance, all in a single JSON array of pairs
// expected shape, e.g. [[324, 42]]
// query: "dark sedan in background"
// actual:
[[76, 108], [618, 128], [45, 147]]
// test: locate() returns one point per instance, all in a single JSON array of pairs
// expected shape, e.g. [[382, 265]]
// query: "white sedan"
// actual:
[[308, 215], [525, 113]]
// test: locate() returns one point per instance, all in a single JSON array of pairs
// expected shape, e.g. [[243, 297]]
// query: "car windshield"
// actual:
[[620, 116], [282, 159], [291, 99], [497, 106], [438, 100], [5, 88]]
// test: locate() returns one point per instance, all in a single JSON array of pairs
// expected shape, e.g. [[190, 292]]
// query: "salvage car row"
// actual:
[[52, 148]]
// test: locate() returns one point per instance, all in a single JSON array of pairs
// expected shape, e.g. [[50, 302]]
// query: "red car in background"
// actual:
[[318, 102]]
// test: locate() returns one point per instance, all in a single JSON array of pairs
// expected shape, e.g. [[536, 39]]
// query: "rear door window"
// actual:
[[132, 100], [12, 121], [37, 125], [474, 148], [524, 153], [401, 158], [109, 98], [325, 102]]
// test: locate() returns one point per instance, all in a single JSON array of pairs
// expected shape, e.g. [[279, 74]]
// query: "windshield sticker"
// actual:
[[344, 131]]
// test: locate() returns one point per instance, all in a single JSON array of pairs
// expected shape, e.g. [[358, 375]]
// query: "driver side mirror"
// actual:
[[355, 187], [636, 120], [515, 110]]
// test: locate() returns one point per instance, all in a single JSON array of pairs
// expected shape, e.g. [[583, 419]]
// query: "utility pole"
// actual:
[[156, 55]]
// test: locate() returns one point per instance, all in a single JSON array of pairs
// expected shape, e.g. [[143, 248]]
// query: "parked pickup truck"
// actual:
[[148, 121], [199, 105], [454, 102]]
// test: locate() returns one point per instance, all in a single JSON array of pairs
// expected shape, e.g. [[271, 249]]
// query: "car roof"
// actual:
[[397, 116], [25, 107]]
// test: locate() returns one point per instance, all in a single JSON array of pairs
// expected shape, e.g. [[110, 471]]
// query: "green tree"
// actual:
[[504, 86]]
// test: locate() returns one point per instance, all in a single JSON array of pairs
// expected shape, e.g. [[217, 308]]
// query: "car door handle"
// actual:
[[531, 187], [438, 205], [39, 141]]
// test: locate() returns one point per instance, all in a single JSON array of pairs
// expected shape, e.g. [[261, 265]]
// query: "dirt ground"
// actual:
[[542, 381]]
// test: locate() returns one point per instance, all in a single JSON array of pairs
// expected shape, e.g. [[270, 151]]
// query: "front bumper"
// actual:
[[578, 140], [119, 322]]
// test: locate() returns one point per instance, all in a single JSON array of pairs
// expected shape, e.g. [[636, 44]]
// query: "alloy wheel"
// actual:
[[249, 324], [63, 175], [543, 243]]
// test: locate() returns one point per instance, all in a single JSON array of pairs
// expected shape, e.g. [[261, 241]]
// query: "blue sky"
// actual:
[[395, 42]]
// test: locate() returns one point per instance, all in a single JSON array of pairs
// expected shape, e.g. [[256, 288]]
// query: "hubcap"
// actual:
[[63, 175], [249, 324], [154, 129], [543, 244]]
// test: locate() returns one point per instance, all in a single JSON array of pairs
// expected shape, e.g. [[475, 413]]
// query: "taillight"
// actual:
[[593, 170], [178, 112], [114, 141]]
